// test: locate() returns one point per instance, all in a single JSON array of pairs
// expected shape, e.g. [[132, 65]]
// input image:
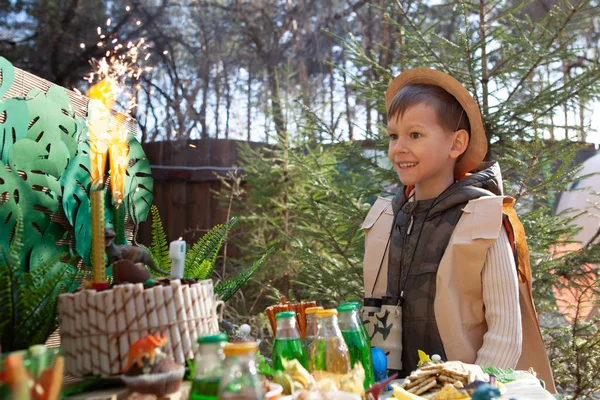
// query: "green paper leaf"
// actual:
[[14, 128], [8, 75], [53, 119], [27, 155], [17, 192], [139, 183]]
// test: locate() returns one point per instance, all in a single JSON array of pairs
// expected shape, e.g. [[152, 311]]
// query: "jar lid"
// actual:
[[240, 348], [313, 310], [285, 314], [327, 313], [356, 304], [346, 308], [219, 337]]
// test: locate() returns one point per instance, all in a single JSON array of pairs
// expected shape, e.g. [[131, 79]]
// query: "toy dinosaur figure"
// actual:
[[144, 347], [116, 252]]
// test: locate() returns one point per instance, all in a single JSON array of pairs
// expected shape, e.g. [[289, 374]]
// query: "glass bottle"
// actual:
[[356, 340], [209, 361], [330, 352], [288, 343], [241, 380], [312, 328], [356, 304]]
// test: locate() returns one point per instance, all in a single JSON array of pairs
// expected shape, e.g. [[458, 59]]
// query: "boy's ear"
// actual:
[[459, 143]]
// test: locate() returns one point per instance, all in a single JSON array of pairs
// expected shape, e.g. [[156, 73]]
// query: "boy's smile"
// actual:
[[422, 152]]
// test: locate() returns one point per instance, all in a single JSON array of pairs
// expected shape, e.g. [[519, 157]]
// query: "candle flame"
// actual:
[[180, 238]]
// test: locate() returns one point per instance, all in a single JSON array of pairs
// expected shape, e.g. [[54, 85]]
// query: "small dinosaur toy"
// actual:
[[116, 252], [145, 346]]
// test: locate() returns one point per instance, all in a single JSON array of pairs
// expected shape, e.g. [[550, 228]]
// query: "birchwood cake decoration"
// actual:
[[97, 328]]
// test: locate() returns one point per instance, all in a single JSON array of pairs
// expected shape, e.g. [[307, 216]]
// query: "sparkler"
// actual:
[[115, 74]]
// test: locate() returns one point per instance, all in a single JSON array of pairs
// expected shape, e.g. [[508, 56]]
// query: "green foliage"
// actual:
[[201, 258], [159, 247], [228, 288], [29, 299]]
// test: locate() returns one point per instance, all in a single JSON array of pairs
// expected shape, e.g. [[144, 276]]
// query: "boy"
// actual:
[[451, 268]]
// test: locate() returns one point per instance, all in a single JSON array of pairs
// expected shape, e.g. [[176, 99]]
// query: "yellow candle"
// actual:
[[98, 262]]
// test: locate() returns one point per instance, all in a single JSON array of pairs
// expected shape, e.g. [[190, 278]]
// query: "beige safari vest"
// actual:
[[459, 308]]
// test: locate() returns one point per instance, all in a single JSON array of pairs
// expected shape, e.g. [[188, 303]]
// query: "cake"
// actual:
[[98, 327]]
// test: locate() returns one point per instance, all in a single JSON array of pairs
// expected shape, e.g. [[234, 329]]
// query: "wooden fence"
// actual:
[[185, 179]]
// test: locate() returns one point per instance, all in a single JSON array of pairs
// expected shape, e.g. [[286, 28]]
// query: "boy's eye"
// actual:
[[393, 136], [415, 135]]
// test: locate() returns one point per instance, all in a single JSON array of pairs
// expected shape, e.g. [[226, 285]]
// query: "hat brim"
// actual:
[[477, 147]]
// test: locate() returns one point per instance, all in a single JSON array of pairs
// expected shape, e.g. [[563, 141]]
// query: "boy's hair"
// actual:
[[448, 110]]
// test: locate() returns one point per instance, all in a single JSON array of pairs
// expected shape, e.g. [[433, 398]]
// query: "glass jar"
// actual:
[[330, 352], [209, 360], [312, 328], [241, 380]]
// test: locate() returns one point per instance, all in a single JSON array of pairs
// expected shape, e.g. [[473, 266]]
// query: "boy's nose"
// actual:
[[399, 147]]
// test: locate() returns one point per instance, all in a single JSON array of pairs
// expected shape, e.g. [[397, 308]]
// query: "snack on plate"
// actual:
[[429, 380]]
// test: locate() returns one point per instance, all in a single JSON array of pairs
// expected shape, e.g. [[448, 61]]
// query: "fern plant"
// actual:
[[201, 257], [28, 314]]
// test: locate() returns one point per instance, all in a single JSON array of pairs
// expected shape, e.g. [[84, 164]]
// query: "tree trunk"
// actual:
[[217, 86], [227, 99], [276, 109], [204, 132], [347, 99], [249, 103]]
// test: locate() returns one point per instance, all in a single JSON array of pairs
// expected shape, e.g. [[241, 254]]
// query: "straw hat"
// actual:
[[477, 147]]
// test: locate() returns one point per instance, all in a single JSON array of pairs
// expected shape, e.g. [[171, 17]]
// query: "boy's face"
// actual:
[[422, 152]]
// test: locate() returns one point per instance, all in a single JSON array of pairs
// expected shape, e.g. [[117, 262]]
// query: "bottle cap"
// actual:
[[327, 313], [240, 348], [313, 310], [356, 304], [220, 337], [285, 314], [346, 308]]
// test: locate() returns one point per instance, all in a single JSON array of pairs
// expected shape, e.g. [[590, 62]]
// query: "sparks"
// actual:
[[82, 45], [193, 146], [108, 22], [127, 8], [99, 30]]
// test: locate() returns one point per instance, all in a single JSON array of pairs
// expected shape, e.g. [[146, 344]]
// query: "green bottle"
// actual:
[[209, 367], [288, 343], [356, 340], [356, 305]]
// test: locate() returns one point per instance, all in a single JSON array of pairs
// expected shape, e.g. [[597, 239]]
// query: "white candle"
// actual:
[[177, 256]]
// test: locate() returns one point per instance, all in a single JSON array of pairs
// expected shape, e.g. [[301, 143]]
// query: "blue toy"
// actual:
[[485, 391], [379, 363]]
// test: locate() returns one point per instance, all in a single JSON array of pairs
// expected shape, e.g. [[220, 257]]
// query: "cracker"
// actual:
[[425, 388], [430, 382], [416, 378]]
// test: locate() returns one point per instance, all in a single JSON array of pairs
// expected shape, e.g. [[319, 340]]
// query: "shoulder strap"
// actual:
[[516, 236]]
